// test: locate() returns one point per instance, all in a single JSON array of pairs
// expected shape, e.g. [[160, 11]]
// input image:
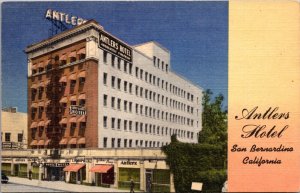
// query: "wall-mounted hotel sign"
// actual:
[[77, 110], [64, 17], [111, 44]]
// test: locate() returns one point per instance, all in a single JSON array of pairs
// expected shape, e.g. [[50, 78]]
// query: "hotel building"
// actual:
[[89, 89]]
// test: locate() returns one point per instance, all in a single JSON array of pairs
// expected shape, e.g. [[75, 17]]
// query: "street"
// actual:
[[12, 187]]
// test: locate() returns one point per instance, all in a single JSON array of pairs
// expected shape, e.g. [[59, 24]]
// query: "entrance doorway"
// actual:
[[55, 174], [149, 174]]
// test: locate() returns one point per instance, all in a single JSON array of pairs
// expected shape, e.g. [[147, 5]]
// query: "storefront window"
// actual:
[[161, 181], [6, 168], [125, 174]]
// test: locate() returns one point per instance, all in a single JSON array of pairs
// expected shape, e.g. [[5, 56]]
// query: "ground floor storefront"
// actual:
[[149, 174]]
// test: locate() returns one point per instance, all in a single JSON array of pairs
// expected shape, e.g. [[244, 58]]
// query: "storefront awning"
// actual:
[[63, 79], [73, 98], [81, 140], [63, 141], [81, 51], [101, 168], [72, 141], [63, 100], [41, 142], [81, 97], [47, 122], [41, 124], [47, 142], [63, 121], [82, 74], [33, 143], [73, 167], [63, 57], [72, 54], [72, 120], [72, 77], [81, 119], [33, 125]]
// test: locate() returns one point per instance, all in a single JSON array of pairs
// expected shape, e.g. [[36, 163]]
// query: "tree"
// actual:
[[206, 161]]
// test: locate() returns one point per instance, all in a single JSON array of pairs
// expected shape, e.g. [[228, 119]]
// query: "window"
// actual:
[[119, 123], [130, 125], [125, 66], [130, 106], [119, 104], [141, 143], [20, 137], [113, 122], [112, 142], [167, 67], [125, 105], [104, 56], [119, 83], [158, 80], [141, 92], [136, 72], [105, 142], [105, 100], [154, 78], [158, 62], [113, 81], [136, 126], [112, 60], [136, 108], [105, 78], [130, 68], [141, 74], [82, 102], [146, 111], [162, 65], [105, 121], [141, 109], [125, 86], [119, 63], [154, 60], [81, 80], [130, 143], [125, 142], [146, 76], [130, 88], [136, 143], [146, 94], [141, 127], [150, 78], [119, 142], [125, 125], [113, 102], [136, 90]]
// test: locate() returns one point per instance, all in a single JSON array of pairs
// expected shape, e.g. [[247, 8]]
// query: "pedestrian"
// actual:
[[131, 185], [30, 174]]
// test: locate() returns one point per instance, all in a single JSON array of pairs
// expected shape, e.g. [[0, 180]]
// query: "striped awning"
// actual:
[[101, 168], [41, 124], [81, 97], [82, 119], [73, 98], [73, 167], [41, 142], [72, 120], [41, 104]]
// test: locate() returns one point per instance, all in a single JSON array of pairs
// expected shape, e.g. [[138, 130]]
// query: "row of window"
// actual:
[[148, 77], [62, 60], [116, 103], [140, 127], [119, 143], [147, 94], [160, 64], [7, 137]]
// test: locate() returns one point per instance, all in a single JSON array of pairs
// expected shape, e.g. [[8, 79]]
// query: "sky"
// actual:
[[196, 33]]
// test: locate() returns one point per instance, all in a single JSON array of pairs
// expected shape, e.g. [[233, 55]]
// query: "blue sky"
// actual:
[[196, 33]]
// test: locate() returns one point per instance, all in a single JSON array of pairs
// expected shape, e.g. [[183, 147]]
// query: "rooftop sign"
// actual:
[[63, 17]]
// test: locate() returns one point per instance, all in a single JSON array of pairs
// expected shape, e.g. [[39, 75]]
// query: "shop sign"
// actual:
[[101, 161], [56, 164], [19, 160], [77, 110], [6, 159], [64, 17], [129, 162], [111, 44]]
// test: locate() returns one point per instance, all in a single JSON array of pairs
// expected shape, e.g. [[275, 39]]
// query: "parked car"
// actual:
[[4, 178]]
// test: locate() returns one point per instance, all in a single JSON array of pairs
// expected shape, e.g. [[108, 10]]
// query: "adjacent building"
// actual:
[[13, 129]]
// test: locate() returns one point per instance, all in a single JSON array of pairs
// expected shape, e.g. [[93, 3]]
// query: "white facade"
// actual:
[[149, 111]]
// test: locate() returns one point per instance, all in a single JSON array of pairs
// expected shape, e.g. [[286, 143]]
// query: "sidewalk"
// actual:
[[63, 186]]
